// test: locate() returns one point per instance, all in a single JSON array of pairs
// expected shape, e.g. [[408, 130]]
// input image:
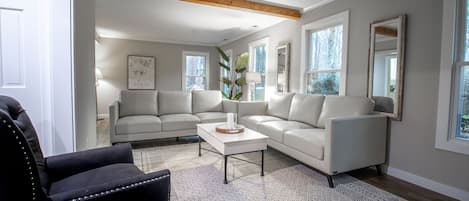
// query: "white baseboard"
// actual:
[[103, 116], [429, 184]]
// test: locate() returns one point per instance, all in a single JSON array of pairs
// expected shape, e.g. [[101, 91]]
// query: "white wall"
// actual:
[[111, 58], [84, 83]]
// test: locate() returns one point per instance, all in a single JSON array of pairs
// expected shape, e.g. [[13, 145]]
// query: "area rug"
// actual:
[[295, 183]]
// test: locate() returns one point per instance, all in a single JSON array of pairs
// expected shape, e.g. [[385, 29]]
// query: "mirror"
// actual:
[[283, 68], [386, 66]]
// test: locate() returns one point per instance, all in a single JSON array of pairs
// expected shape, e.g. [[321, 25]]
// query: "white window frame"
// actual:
[[447, 99], [252, 46], [229, 53], [334, 20], [207, 67]]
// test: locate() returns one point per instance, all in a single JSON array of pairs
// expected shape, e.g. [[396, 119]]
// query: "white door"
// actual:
[[20, 60]]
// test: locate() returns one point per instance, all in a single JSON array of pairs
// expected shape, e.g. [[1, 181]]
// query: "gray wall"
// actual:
[[111, 58], [412, 141], [85, 91]]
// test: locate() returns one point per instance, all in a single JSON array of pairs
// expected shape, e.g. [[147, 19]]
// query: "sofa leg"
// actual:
[[378, 170], [331, 181]]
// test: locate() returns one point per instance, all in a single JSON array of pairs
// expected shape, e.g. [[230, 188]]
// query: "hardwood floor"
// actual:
[[398, 187], [384, 182]]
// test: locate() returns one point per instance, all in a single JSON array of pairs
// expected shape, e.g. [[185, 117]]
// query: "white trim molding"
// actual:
[[445, 139], [428, 184], [207, 67], [252, 45], [337, 19]]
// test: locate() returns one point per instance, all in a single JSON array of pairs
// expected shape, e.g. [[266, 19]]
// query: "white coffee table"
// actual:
[[232, 144]]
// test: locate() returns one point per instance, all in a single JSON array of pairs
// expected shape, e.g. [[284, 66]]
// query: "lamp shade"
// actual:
[[253, 77], [99, 74]]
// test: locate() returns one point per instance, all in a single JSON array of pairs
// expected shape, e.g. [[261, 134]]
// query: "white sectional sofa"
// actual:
[[146, 115], [332, 134]]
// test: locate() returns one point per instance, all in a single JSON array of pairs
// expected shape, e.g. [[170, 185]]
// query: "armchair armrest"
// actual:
[[113, 117], [252, 108], [230, 106], [145, 187], [355, 142], [65, 165]]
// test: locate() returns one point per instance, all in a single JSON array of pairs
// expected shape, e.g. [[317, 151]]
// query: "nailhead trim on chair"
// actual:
[[115, 190], [28, 163]]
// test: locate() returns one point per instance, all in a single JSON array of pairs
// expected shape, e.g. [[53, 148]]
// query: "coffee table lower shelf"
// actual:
[[232, 156]]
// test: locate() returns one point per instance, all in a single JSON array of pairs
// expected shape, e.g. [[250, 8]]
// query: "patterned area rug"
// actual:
[[295, 183]]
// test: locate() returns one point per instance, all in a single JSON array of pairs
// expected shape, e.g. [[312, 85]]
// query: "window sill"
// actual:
[[453, 145]]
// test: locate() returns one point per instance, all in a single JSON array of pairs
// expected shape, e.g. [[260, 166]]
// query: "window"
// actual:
[[195, 70], [224, 72], [258, 58], [452, 132], [324, 53]]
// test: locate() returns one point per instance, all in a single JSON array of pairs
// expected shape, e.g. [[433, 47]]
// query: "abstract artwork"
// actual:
[[140, 72]]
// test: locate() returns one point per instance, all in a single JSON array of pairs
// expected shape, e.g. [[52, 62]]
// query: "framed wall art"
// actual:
[[141, 72]]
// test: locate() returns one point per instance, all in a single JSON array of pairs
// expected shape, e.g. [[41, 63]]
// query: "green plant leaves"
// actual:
[[227, 81], [223, 54], [224, 66], [241, 81], [238, 96]]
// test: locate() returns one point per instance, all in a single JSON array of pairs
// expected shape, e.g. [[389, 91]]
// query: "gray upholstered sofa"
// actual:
[[145, 115], [333, 134]]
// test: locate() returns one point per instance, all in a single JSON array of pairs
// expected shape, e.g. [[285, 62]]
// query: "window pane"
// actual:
[[260, 66], [466, 47], [195, 72], [463, 110], [226, 73], [326, 49], [325, 83]]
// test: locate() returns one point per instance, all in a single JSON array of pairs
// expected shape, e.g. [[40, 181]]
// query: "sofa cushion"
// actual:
[[206, 101], [306, 108], [275, 129], [251, 121], [211, 117], [174, 102], [344, 106], [308, 141], [102, 175], [172, 122], [279, 105], [138, 124], [138, 103]]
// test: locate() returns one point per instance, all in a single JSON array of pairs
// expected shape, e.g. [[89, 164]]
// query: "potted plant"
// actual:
[[236, 78]]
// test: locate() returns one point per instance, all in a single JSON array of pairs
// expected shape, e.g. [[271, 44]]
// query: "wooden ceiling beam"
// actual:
[[252, 6]]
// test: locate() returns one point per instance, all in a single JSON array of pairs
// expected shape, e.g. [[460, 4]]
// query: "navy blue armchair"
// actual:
[[99, 174]]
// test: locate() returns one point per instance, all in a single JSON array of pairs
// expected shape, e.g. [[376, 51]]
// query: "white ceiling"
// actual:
[[175, 21]]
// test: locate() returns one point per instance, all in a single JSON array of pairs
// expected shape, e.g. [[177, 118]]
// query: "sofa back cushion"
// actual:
[[138, 103], [206, 101], [306, 108], [344, 106], [279, 105], [174, 102]]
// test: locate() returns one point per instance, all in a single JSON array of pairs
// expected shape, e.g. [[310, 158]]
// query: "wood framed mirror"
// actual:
[[386, 66]]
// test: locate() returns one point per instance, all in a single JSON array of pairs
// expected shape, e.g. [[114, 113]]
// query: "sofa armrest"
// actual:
[[251, 108], [355, 142], [64, 165], [113, 117], [145, 187], [230, 106]]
